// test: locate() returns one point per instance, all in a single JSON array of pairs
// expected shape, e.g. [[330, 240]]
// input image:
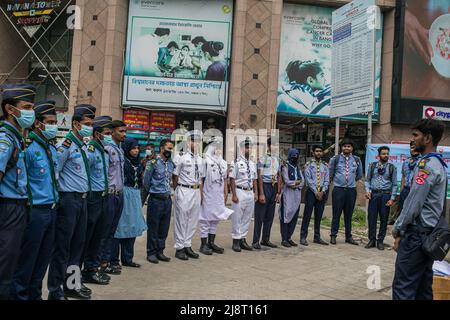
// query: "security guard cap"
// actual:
[[19, 92], [45, 108], [84, 110], [102, 122]]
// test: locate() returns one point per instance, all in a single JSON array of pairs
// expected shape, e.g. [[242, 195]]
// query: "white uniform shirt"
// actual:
[[243, 171], [189, 169]]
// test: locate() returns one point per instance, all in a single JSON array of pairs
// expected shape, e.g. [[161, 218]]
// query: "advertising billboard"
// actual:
[[305, 62], [422, 59], [178, 54]]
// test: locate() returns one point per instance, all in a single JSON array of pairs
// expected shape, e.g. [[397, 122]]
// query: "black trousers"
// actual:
[[96, 229], [13, 221], [264, 213], [344, 199], [70, 238], [377, 207], [158, 223], [311, 203], [413, 278]]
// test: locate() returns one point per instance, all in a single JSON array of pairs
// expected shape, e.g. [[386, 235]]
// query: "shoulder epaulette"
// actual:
[[67, 143], [422, 163], [91, 148]]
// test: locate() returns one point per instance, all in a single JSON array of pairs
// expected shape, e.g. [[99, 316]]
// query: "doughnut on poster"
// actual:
[[178, 54]]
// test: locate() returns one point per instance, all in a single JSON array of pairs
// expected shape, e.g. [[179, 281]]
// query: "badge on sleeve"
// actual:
[[91, 148], [423, 174], [67, 143], [420, 181]]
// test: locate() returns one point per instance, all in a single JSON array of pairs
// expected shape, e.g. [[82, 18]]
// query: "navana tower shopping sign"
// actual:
[[353, 58]]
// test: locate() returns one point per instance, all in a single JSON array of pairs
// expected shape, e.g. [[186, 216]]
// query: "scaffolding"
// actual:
[[47, 64]]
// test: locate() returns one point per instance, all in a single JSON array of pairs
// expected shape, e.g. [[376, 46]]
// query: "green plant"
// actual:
[[358, 220]]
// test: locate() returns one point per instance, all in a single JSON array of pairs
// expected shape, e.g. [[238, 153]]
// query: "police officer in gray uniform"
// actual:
[[17, 108], [71, 222], [421, 212]]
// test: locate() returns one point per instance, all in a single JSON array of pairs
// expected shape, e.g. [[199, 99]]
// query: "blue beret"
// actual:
[[84, 110], [46, 107], [20, 92], [102, 122]]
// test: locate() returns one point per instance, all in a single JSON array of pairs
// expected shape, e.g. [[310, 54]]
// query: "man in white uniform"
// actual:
[[215, 192], [243, 186], [187, 182]]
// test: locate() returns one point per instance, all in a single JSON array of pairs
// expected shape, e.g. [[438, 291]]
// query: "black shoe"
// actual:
[[268, 244], [286, 244], [181, 254], [320, 241], [303, 242], [52, 296], [77, 294], [111, 270], [244, 245], [256, 246], [104, 275], [380, 245], [292, 243], [351, 241], [95, 278], [204, 248], [371, 244], [85, 289], [213, 246], [333, 239], [162, 257], [116, 266], [190, 253], [236, 245], [131, 265], [153, 259]]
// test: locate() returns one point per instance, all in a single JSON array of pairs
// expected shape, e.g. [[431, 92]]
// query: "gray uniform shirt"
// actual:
[[426, 198]]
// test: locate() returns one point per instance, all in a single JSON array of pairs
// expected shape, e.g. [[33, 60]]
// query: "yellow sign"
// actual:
[[32, 13]]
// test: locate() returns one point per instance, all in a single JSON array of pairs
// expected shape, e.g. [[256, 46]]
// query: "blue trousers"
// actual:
[[343, 199], [158, 223], [35, 253], [13, 220], [264, 213], [377, 207], [287, 229], [96, 229], [311, 203], [123, 248], [413, 278], [70, 237], [115, 206]]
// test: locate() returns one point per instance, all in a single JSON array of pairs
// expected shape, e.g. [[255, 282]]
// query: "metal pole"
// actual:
[[336, 141], [369, 128]]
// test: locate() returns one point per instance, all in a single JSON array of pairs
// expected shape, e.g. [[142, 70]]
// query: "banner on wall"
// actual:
[[178, 54], [305, 63], [400, 153], [137, 119], [163, 122]]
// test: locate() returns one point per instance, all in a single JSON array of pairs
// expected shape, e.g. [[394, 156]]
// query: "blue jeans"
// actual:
[[36, 250]]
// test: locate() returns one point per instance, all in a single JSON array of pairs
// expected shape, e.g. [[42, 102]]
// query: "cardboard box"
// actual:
[[441, 288]]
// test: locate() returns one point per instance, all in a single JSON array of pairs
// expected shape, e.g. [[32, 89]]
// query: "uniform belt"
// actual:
[[346, 188], [115, 192], [45, 206], [99, 193], [419, 229], [78, 194], [14, 201], [195, 187], [244, 188], [159, 196], [382, 191]]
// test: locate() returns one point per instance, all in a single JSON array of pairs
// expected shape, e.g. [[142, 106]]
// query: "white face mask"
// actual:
[[148, 153]]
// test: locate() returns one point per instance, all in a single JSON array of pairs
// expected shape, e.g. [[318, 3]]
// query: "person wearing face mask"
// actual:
[[38, 240], [115, 198], [157, 178], [132, 223], [97, 200], [381, 190], [293, 182], [215, 193], [17, 109], [74, 185], [149, 155]]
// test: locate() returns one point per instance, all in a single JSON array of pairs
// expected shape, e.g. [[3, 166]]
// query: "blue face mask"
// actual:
[[26, 118], [107, 139], [86, 131], [50, 131]]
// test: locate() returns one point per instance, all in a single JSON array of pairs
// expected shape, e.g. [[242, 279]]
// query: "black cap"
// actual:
[[84, 110], [44, 108], [117, 124], [19, 92], [102, 122]]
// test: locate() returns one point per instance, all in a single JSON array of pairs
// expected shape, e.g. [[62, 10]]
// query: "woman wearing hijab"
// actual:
[[292, 191], [215, 192], [132, 223]]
